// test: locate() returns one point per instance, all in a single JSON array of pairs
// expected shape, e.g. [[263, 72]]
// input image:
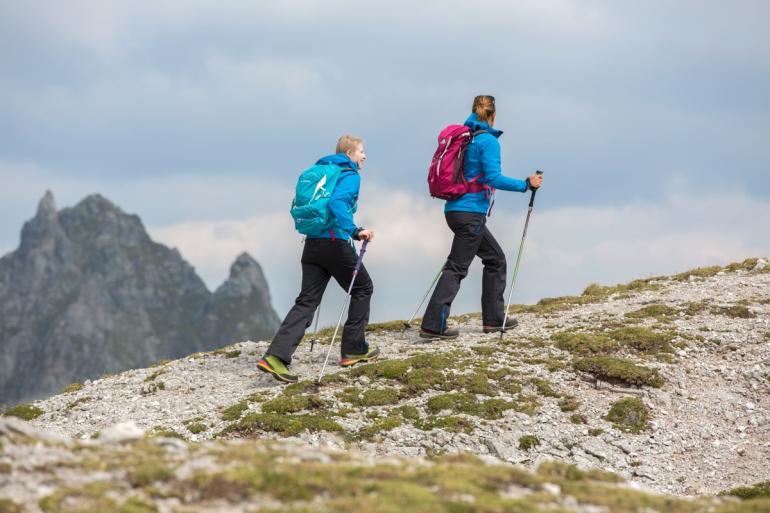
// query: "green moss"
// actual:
[[148, 472], [700, 272], [746, 265], [8, 506], [750, 492], [293, 404], [235, 411], [447, 423], [474, 383], [544, 387], [584, 343], [385, 424], [693, 308], [287, 425], [397, 325], [162, 432], [196, 427], [644, 339], [528, 442], [569, 403], [469, 405], [154, 375], [422, 379], [301, 387], [370, 397], [407, 412], [77, 402], [735, 311], [657, 311], [72, 387], [23, 411], [629, 414], [93, 498], [619, 370], [556, 470], [388, 369]]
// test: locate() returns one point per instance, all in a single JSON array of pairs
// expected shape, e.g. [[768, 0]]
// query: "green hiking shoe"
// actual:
[[280, 371], [352, 359]]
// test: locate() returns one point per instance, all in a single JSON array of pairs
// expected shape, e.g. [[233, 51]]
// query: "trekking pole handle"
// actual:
[[361, 256], [532, 198]]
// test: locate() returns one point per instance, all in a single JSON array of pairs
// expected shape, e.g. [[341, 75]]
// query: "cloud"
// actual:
[[567, 248]]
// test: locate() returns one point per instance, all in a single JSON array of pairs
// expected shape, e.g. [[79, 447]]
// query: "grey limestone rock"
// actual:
[[88, 292]]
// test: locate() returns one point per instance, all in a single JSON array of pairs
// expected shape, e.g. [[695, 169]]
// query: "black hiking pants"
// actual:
[[323, 259], [472, 238]]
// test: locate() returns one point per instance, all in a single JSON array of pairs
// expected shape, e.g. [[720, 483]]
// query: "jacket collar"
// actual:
[[474, 124], [339, 159]]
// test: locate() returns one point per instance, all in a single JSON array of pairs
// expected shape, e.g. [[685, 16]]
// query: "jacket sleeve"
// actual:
[[342, 201], [490, 165]]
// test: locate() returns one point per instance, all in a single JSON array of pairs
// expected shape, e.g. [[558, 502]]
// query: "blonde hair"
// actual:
[[484, 108], [347, 143]]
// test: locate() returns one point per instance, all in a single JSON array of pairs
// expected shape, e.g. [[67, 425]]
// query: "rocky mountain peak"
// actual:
[[89, 292], [246, 278], [46, 208]]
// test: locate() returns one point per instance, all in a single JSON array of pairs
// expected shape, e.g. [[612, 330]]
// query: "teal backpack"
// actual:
[[310, 207]]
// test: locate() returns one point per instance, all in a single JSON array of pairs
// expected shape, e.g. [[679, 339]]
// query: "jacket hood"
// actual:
[[340, 159], [474, 124]]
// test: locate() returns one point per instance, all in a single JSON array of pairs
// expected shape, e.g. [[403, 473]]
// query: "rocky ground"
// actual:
[[664, 382]]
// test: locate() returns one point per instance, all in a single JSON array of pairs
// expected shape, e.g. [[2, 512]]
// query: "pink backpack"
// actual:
[[446, 177]]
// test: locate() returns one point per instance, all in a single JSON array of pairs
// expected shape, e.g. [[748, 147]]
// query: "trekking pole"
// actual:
[[315, 330], [518, 257], [347, 299], [408, 324]]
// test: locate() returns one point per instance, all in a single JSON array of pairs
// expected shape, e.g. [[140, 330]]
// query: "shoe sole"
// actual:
[[350, 363], [498, 329], [438, 336], [277, 376]]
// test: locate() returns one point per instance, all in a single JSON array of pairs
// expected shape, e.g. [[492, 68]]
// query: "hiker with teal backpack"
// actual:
[[465, 171], [326, 199]]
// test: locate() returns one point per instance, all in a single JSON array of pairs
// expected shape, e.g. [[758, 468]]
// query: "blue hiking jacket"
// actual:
[[482, 156], [344, 200]]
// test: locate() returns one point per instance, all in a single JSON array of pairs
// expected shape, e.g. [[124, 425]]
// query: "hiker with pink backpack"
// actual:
[[465, 171]]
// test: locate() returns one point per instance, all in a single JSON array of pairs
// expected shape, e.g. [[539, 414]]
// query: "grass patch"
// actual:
[[371, 397], [643, 339], [735, 311], [584, 343], [749, 492], [630, 415], [528, 442], [161, 432], [569, 403], [154, 375], [287, 425], [293, 404], [23, 411], [544, 387], [386, 424], [235, 411], [8, 506], [454, 424], [72, 387], [78, 402], [148, 472], [619, 370], [196, 427], [658, 311]]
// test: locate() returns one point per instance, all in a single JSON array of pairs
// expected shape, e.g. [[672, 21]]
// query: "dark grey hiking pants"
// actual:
[[323, 259], [472, 238]]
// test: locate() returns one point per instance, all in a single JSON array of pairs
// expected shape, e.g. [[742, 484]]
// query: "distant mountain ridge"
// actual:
[[88, 292]]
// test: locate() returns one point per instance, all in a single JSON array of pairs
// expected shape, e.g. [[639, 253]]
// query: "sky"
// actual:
[[650, 119]]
